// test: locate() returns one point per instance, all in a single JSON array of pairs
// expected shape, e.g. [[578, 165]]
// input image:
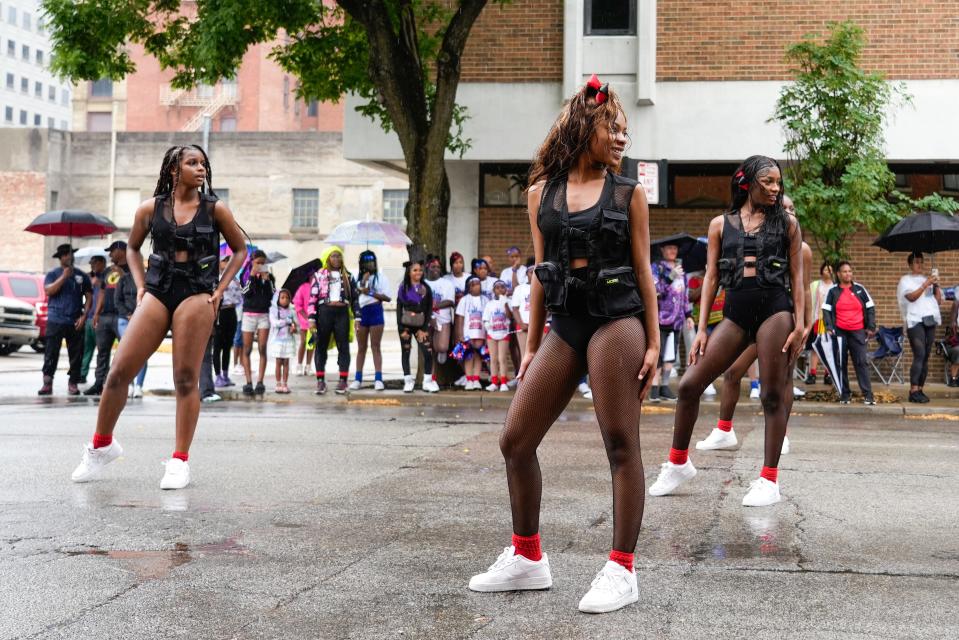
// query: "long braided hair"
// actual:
[[775, 218], [170, 171]]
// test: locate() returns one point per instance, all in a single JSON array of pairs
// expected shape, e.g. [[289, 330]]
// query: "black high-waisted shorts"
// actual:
[[578, 327], [751, 305], [181, 288]]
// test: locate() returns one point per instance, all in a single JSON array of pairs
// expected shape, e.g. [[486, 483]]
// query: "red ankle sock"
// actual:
[[344, 375], [678, 456], [623, 558], [494, 380], [724, 425], [102, 441], [528, 547], [321, 375], [770, 473], [181, 455]]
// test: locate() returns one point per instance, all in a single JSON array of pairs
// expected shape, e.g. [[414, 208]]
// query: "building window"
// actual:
[[102, 88], [25, 52], [64, 97], [12, 15], [39, 56], [37, 118], [51, 123], [52, 93], [54, 199], [99, 121], [63, 125], [38, 90], [26, 21], [503, 185], [224, 195], [286, 93], [10, 81], [227, 123], [23, 117], [24, 85], [902, 181], [394, 206], [950, 182], [11, 48], [306, 208], [313, 109], [8, 114], [610, 17]]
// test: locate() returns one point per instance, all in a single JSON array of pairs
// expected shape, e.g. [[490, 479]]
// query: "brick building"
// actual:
[[699, 82]]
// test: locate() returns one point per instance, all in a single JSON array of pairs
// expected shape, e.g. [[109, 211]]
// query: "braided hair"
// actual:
[[775, 218], [170, 174]]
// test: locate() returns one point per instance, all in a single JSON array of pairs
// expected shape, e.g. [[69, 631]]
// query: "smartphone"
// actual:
[[263, 268], [935, 272]]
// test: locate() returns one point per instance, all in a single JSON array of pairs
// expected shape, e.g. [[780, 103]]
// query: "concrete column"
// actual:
[[646, 52], [462, 231]]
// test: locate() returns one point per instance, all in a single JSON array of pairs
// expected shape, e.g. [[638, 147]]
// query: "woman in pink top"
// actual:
[[301, 300]]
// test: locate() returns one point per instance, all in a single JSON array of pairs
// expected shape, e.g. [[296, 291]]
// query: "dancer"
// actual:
[[178, 291], [470, 332], [754, 252], [257, 300], [332, 295], [414, 309], [590, 230], [372, 288], [444, 297], [496, 322], [282, 341]]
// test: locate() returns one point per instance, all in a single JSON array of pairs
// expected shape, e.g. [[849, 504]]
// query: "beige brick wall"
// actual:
[[23, 198]]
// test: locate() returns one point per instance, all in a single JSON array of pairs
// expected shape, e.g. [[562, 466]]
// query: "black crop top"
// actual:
[[582, 221], [750, 245]]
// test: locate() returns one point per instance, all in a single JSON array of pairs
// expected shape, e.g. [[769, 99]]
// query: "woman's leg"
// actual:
[[362, 338], [405, 347], [341, 333], [301, 348], [547, 386], [521, 337], [729, 396], [441, 342], [376, 342], [262, 336], [324, 329], [505, 360], [147, 328], [426, 347], [929, 341], [613, 373], [774, 371], [192, 322], [247, 350]]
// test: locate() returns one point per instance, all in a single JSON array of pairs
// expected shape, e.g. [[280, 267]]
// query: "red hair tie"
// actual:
[[595, 89]]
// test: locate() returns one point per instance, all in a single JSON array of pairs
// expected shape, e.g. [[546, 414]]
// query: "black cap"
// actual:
[[63, 250], [116, 244]]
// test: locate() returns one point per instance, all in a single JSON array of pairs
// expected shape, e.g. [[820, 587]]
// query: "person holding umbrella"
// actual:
[[181, 290], [919, 298], [670, 282], [69, 296], [850, 314]]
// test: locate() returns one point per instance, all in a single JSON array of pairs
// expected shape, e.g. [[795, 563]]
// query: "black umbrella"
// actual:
[[925, 232], [695, 258], [301, 274], [71, 223], [684, 241]]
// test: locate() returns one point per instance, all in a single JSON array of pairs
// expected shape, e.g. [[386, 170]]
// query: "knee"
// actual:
[[185, 381], [512, 447], [771, 399], [261, 347], [690, 387], [620, 451], [119, 377]]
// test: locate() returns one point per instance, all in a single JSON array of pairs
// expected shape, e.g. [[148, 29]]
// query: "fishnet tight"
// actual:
[[615, 356]]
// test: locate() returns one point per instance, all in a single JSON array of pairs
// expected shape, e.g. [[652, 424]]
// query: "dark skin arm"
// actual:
[[54, 287], [537, 304], [794, 342], [807, 292], [639, 239]]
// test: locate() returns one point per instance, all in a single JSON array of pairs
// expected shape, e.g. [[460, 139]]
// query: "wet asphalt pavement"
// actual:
[[356, 520]]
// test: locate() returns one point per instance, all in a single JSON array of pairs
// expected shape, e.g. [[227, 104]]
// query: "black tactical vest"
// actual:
[[200, 238], [772, 255], [611, 287]]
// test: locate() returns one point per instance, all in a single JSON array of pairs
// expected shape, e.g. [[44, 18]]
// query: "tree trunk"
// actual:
[[427, 210]]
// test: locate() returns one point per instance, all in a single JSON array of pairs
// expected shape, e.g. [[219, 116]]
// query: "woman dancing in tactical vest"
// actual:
[[754, 252], [181, 290], [590, 231]]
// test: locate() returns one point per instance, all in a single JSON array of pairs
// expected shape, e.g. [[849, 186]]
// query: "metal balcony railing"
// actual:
[[199, 96]]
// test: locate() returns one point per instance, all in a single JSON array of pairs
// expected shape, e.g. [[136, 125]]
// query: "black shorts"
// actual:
[[181, 288], [750, 305], [577, 328]]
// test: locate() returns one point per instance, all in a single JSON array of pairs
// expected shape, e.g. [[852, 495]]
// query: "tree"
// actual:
[[402, 56], [832, 116]]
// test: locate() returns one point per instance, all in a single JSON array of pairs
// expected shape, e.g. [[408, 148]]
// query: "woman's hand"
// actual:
[[699, 347], [140, 293], [648, 372], [215, 299], [794, 343], [527, 359]]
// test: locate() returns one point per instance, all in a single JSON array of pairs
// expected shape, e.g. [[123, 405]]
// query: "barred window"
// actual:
[[306, 208], [394, 206], [610, 17]]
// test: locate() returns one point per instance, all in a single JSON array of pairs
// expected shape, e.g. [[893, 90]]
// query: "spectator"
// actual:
[[304, 352], [257, 298], [480, 268], [282, 338], [491, 270], [520, 305], [444, 301], [69, 296], [332, 296], [694, 289], [414, 310], [457, 274], [225, 328], [919, 298], [98, 265], [469, 331], [105, 314], [671, 296], [952, 345], [126, 302], [372, 288], [818, 290], [515, 274], [850, 314], [496, 322], [208, 392]]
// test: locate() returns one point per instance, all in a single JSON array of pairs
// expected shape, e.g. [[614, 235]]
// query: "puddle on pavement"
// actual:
[[156, 565]]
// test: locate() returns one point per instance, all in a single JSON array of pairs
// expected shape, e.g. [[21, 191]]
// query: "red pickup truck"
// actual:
[[27, 287]]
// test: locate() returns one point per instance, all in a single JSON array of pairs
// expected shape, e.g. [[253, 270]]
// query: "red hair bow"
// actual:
[[595, 89], [741, 180]]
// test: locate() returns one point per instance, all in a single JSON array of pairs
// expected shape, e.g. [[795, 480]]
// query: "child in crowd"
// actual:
[[469, 329], [520, 310], [444, 301], [257, 299], [496, 320], [304, 352], [282, 338]]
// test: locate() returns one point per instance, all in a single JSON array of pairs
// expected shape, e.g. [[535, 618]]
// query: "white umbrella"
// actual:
[[832, 354], [368, 232], [88, 253]]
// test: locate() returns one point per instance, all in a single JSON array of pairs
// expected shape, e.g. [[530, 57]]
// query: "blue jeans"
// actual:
[[122, 324]]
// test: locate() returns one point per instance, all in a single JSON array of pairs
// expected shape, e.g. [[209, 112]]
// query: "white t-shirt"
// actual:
[[520, 301], [459, 284], [379, 283], [925, 305], [486, 288], [471, 309], [443, 289], [336, 286], [521, 276], [496, 318]]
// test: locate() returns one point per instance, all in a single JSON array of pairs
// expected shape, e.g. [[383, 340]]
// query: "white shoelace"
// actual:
[[603, 581], [501, 560]]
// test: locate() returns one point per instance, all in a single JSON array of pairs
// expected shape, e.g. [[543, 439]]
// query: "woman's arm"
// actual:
[[794, 342], [639, 240], [227, 225], [537, 301], [711, 280], [138, 233]]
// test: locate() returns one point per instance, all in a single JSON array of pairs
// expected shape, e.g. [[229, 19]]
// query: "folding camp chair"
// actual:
[[889, 355]]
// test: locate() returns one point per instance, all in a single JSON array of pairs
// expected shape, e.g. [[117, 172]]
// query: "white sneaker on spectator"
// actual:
[[512, 383], [461, 382], [307, 369], [299, 369], [408, 383], [754, 393], [710, 391], [355, 385], [671, 476], [588, 395], [613, 588], [137, 391], [718, 439], [94, 460], [504, 387], [130, 390], [213, 397], [177, 474], [673, 373], [238, 369], [762, 493], [785, 448], [797, 392], [430, 386], [512, 572], [378, 385], [583, 388]]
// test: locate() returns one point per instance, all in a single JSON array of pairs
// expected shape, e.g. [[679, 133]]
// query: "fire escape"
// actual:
[[209, 100]]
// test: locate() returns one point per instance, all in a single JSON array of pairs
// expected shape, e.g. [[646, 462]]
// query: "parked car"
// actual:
[[18, 325], [28, 287]]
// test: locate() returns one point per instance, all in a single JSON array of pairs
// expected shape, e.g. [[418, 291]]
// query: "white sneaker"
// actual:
[[461, 382], [238, 370], [408, 383], [710, 391], [308, 370], [378, 385], [94, 460], [671, 476], [492, 387], [718, 439], [754, 393], [512, 383], [588, 395], [513, 572], [504, 387], [355, 385], [137, 391], [583, 388], [785, 448], [299, 369], [130, 390], [613, 588], [798, 393], [177, 474], [762, 493], [673, 373], [430, 386], [213, 397]]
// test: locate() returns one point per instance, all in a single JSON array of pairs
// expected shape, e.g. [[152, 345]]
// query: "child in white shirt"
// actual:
[[520, 308], [469, 329], [496, 318]]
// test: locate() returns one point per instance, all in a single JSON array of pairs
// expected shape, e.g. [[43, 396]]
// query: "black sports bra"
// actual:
[[581, 220]]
